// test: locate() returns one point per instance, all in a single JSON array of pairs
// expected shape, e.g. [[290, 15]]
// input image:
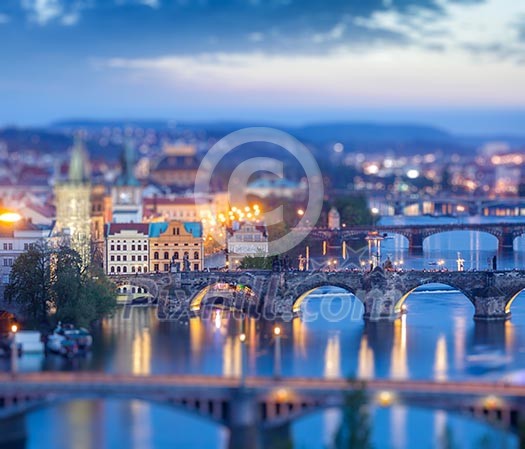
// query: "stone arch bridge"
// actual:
[[279, 294], [506, 233]]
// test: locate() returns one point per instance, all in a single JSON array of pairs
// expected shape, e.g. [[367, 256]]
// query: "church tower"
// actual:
[[73, 204], [126, 194]]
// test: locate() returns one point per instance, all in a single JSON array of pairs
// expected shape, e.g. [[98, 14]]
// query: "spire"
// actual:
[[79, 163], [127, 161]]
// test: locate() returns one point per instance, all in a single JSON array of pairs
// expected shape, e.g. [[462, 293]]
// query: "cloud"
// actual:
[[4, 18], [64, 12]]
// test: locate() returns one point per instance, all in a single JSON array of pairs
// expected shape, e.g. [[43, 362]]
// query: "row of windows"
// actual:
[[139, 258], [132, 289], [8, 262], [156, 255], [8, 246], [166, 267], [125, 247], [124, 269], [133, 241], [178, 244]]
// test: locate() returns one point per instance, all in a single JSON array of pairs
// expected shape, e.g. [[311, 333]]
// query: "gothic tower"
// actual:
[[73, 204], [126, 194]]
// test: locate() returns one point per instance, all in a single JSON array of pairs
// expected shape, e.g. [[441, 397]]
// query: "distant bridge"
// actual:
[[506, 233], [280, 294], [246, 406]]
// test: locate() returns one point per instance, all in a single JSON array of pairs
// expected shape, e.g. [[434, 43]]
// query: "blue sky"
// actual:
[[459, 64]]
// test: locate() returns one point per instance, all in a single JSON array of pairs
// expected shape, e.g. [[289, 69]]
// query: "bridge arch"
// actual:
[[470, 235], [512, 298], [303, 293], [229, 295], [398, 306]]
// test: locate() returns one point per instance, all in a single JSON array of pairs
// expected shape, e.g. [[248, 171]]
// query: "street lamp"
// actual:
[[14, 349], [277, 353], [242, 339]]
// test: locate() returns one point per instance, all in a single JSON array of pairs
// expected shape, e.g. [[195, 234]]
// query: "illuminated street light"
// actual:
[[385, 398], [277, 354], [10, 217], [14, 349]]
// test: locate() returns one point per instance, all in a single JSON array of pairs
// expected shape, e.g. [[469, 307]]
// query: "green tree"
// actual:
[[354, 210], [258, 263], [51, 285], [29, 283], [355, 429]]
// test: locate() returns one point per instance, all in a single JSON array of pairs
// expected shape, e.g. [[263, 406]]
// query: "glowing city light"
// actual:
[[10, 217], [413, 173]]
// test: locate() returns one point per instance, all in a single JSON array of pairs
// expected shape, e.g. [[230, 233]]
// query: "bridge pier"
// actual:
[[13, 432], [243, 421]]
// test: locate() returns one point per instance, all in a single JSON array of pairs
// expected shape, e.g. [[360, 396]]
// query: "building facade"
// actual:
[[176, 246], [127, 248], [246, 239], [15, 238]]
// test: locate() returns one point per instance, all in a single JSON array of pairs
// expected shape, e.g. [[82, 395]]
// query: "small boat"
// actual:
[[488, 359], [68, 340]]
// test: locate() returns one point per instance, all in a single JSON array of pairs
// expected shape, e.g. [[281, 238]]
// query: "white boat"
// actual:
[[68, 340], [29, 341]]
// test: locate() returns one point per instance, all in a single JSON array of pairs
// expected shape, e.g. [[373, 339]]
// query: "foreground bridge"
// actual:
[[506, 233], [279, 295], [257, 411]]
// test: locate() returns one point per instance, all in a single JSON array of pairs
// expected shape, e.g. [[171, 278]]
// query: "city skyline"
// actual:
[[453, 64]]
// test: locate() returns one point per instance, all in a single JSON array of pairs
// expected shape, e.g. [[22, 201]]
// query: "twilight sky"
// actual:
[[459, 64]]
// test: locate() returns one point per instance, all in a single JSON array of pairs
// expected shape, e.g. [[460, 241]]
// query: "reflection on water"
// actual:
[[436, 339]]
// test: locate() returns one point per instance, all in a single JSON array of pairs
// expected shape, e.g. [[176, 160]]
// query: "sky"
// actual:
[[457, 64]]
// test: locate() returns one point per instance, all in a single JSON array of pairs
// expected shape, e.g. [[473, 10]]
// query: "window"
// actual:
[[124, 269], [5, 246], [145, 269], [139, 248], [139, 257], [133, 258], [112, 247], [176, 255], [145, 258], [156, 267], [112, 258], [125, 247], [166, 267], [196, 255], [132, 247], [26, 246], [5, 262], [124, 258], [118, 268], [139, 269], [166, 255], [176, 231], [10, 246], [118, 247], [112, 269], [118, 258], [156, 255], [133, 269]]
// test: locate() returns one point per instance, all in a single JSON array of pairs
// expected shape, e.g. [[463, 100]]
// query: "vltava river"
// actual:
[[436, 339]]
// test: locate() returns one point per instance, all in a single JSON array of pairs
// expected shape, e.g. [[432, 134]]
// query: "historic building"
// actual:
[[177, 167], [15, 238], [246, 239], [126, 194], [176, 246], [73, 204], [334, 219], [127, 248]]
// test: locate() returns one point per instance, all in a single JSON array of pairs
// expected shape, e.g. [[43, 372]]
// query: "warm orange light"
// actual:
[[385, 398], [14, 328], [10, 217], [242, 337], [277, 331]]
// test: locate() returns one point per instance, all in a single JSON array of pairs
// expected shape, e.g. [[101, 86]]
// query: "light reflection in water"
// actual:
[[332, 370], [440, 360], [460, 341], [365, 362], [398, 363]]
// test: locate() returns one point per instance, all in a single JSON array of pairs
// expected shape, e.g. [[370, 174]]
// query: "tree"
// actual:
[[258, 263], [51, 285], [355, 429], [29, 283], [354, 210]]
